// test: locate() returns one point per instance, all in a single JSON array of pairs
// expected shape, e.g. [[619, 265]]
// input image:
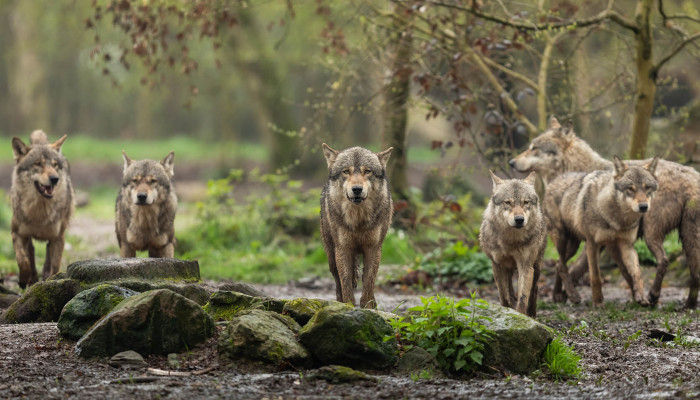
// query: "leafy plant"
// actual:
[[562, 361], [449, 330], [457, 261]]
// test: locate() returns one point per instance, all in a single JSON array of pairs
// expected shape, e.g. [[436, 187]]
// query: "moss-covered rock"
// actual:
[[193, 291], [7, 298], [241, 287], [266, 336], [351, 337], [155, 322], [223, 305], [83, 310], [338, 374], [518, 341], [139, 268], [417, 359], [43, 302], [302, 309]]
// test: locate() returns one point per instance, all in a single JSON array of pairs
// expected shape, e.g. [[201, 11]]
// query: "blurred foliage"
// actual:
[[457, 263]]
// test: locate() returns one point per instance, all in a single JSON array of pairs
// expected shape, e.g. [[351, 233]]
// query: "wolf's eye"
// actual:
[[151, 180], [37, 163], [54, 163], [346, 171], [508, 202], [526, 202], [368, 172], [135, 180]]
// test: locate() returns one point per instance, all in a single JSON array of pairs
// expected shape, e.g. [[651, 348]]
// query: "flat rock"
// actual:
[[223, 305], [139, 268], [241, 287], [127, 359], [338, 374]]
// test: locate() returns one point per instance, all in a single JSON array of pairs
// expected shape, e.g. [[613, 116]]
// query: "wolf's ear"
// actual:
[[19, 148], [530, 180], [330, 154], [554, 123], [127, 161], [620, 166], [168, 162], [651, 165], [568, 128], [57, 144], [384, 156], [496, 180]]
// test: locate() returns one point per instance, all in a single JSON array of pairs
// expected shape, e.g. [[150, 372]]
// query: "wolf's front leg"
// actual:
[[630, 262], [372, 259], [594, 273], [532, 302], [127, 251], [54, 253], [167, 251], [23, 251], [526, 275], [502, 278], [344, 263]]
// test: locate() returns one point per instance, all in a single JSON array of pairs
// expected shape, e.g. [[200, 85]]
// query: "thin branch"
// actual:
[[674, 16], [527, 81], [607, 14], [675, 51]]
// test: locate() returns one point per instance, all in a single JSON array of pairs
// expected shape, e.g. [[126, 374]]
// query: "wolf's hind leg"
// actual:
[[655, 245], [594, 272], [690, 236]]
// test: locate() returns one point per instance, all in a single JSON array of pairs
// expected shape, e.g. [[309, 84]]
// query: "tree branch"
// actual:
[[527, 81], [675, 51], [674, 16], [607, 14]]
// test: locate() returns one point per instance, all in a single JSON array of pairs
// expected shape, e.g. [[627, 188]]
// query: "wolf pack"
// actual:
[[606, 204]]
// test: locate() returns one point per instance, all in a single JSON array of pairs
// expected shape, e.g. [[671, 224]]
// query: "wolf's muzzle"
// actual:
[[519, 221], [643, 207], [141, 198], [44, 190], [357, 195]]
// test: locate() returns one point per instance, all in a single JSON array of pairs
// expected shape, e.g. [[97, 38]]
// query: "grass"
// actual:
[[561, 361]]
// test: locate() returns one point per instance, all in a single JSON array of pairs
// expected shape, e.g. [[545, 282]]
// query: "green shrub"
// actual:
[[457, 262], [562, 361], [449, 330]]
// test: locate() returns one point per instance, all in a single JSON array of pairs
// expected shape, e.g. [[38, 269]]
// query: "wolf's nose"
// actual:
[[357, 190], [53, 179], [643, 207], [519, 219], [512, 162], [141, 197]]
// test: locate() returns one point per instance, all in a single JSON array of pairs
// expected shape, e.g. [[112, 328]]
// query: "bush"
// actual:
[[449, 330], [562, 361], [457, 262]]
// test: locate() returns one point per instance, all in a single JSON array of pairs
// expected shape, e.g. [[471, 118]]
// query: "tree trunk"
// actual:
[[396, 97], [646, 80]]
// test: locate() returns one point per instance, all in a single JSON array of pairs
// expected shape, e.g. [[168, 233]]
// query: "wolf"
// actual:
[[145, 208], [559, 150], [356, 211], [605, 209], [42, 203], [513, 235]]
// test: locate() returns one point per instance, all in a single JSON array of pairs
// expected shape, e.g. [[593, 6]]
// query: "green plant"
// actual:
[[561, 360], [457, 261], [450, 330]]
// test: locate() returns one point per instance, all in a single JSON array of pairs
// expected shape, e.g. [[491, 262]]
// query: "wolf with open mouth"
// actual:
[[42, 204]]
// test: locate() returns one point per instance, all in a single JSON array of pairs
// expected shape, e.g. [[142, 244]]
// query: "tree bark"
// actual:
[[396, 98], [646, 80]]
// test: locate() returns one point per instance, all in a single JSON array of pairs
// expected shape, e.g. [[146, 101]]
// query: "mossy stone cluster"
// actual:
[[83, 310]]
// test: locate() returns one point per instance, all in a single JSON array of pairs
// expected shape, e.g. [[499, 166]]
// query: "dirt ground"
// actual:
[[618, 359]]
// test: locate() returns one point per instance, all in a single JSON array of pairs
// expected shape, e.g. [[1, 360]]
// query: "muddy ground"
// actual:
[[618, 359]]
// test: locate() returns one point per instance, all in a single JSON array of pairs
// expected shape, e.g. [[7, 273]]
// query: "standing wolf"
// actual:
[[356, 211], [42, 204], [514, 235], [559, 150], [146, 207], [603, 208]]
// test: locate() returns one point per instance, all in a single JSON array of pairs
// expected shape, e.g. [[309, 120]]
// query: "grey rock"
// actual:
[[83, 310], [241, 287], [338, 374], [42, 302], [139, 268], [127, 359]]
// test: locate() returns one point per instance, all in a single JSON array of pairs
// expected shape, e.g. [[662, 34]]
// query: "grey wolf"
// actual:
[[356, 211], [559, 150], [603, 208], [42, 203], [146, 207], [513, 235]]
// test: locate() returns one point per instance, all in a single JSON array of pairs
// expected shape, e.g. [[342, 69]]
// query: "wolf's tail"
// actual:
[[38, 137]]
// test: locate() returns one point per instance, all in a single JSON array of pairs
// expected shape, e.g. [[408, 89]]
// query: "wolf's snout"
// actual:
[[54, 180], [643, 207], [512, 162], [519, 221], [141, 197], [357, 190]]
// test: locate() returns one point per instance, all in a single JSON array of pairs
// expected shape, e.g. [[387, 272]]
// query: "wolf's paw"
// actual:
[[653, 298], [575, 297], [559, 297], [642, 301]]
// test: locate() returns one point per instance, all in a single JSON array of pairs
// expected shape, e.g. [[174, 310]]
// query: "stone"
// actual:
[[194, 291], [154, 322], [302, 309], [83, 310], [352, 337], [127, 359], [42, 302], [518, 341], [223, 305], [266, 336], [241, 287], [173, 360], [338, 374], [417, 359], [140, 268], [6, 299]]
